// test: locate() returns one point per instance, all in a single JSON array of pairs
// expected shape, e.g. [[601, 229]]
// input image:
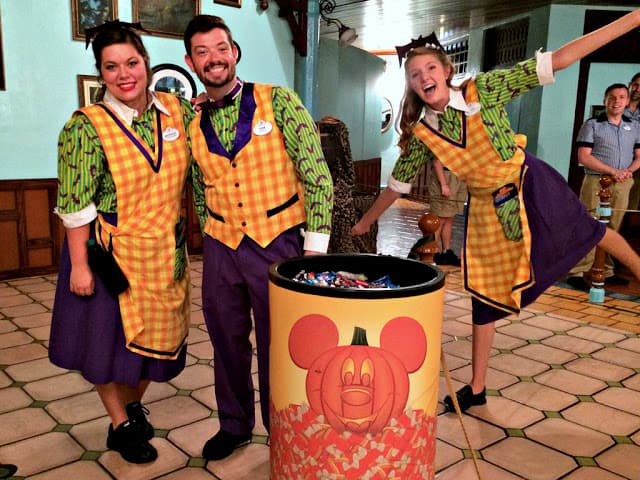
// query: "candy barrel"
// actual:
[[354, 372]]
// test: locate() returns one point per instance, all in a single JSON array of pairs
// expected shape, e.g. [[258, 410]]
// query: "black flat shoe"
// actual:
[[130, 442], [137, 413], [466, 399], [222, 444], [7, 470]]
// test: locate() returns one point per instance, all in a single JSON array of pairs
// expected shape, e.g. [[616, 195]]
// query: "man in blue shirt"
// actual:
[[607, 144], [633, 111]]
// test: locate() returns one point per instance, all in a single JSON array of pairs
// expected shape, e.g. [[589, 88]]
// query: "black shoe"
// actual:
[[137, 413], [466, 399], [130, 442], [7, 470], [439, 259], [616, 280], [579, 283], [451, 258], [222, 444]]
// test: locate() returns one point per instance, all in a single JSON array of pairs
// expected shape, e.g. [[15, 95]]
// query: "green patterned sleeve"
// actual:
[[80, 165], [409, 165], [498, 87], [303, 146]]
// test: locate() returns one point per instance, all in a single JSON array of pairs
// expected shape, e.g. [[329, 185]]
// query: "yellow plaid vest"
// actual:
[[496, 269], [155, 309], [255, 192]]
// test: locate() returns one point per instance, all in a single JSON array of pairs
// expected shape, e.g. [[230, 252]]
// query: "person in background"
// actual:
[[633, 111], [122, 167], [607, 144], [259, 176], [525, 227], [447, 195]]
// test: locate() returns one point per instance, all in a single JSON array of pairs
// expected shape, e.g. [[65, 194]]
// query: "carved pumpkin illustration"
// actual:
[[357, 387]]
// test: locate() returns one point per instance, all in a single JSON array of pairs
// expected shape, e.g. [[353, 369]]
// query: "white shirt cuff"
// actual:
[[544, 67], [316, 242], [79, 218], [399, 187]]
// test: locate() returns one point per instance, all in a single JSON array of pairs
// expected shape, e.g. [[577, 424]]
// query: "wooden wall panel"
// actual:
[[10, 258], [368, 175]]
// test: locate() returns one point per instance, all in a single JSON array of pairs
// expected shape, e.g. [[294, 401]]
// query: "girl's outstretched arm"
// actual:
[[384, 201]]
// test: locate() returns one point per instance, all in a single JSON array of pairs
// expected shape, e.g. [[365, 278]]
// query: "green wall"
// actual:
[[41, 62]]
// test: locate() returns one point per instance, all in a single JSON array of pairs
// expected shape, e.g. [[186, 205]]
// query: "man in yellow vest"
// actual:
[[259, 176]]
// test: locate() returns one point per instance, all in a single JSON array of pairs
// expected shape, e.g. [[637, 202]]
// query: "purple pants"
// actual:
[[235, 283], [562, 232]]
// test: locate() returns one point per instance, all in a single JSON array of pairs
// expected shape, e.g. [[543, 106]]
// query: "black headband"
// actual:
[[430, 41], [91, 33]]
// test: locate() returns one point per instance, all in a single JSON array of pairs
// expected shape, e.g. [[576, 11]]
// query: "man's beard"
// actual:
[[231, 74]]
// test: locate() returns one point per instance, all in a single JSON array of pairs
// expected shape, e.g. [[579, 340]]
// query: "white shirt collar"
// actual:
[[128, 113], [457, 102]]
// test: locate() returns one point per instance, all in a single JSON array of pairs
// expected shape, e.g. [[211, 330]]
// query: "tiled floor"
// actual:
[[564, 386]]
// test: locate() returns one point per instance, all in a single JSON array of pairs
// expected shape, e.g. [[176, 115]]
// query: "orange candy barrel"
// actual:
[[354, 372]]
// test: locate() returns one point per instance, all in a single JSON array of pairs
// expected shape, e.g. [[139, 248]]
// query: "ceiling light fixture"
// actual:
[[346, 35]]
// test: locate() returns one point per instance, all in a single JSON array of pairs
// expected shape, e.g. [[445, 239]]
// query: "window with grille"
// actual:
[[458, 52], [505, 45]]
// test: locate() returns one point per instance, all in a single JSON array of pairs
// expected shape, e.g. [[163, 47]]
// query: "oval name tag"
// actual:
[[262, 127], [170, 134]]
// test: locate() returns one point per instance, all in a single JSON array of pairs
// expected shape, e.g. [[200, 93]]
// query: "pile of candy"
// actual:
[[342, 279]]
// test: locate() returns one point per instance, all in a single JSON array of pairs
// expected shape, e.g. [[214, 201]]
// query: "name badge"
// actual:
[[170, 134], [626, 127], [262, 128]]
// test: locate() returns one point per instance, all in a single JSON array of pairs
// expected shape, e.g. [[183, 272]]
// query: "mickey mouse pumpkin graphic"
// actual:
[[358, 388]]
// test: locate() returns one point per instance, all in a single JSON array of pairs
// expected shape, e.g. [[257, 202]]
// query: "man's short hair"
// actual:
[[204, 24], [614, 87]]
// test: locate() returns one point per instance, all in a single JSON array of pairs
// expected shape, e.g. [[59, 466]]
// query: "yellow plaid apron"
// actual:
[[149, 185], [496, 269], [255, 192]]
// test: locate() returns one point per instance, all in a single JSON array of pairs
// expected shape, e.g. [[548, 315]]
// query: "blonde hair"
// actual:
[[411, 105]]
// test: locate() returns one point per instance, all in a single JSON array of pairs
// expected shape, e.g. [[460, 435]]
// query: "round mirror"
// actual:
[[387, 114]]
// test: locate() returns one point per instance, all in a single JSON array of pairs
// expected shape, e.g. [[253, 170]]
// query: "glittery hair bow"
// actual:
[[91, 33], [430, 41]]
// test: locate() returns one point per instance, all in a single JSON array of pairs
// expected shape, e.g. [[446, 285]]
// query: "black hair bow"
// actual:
[[91, 33], [430, 41]]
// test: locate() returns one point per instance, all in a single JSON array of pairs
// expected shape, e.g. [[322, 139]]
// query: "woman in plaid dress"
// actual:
[[122, 166], [525, 228]]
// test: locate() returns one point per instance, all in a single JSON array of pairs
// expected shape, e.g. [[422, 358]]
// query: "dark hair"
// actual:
[[204, 24], [635, 77], [114, 35], [614, 87]]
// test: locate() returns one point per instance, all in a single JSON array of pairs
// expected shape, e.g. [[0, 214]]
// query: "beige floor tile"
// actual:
[[246, 463], [5, 381], [507, 342], [524, 331], [24, 423], [42, 453], [26, 281], [40, 333], [481, 434], [633, 382], [197, 335], [544, 353], [592, 473], [176, 411], [169, 459], [37, 287], [459, 348], [201, 350], [58, 387], [76, 409], [569, 438], [446, 455], [14, 338], [7, 326], [495, 378], [623, 459], [620, 398], [602, 418], [456, 329], [515, 365], [92, 435], [618, 356], [14, 300], [189, 473], [13, 399], [206, 396], [570, 382], [158, 391], [451, 312], [191, 438], [572, 344], [75, 471], [528, 459], [193, 377], [43, 295], [599, 335], [32, 321], [23, 310], [466, 470], [29, 371], [6, 291], [632, 344], [550, 323], [506, 413], [539, 396], [601, 370]]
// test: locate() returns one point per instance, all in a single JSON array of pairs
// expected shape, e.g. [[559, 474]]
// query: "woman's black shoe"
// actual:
[[137, 413], [466, 399], [7, 470], [130, 442]]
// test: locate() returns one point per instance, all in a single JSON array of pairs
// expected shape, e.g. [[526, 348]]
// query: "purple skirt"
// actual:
[[87, 335], [562, 233]]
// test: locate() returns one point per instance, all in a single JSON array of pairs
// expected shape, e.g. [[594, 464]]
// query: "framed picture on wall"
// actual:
[[88, 89], [230, 3], [167, 18], [90, 13], [171, 78], [2, 85]]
